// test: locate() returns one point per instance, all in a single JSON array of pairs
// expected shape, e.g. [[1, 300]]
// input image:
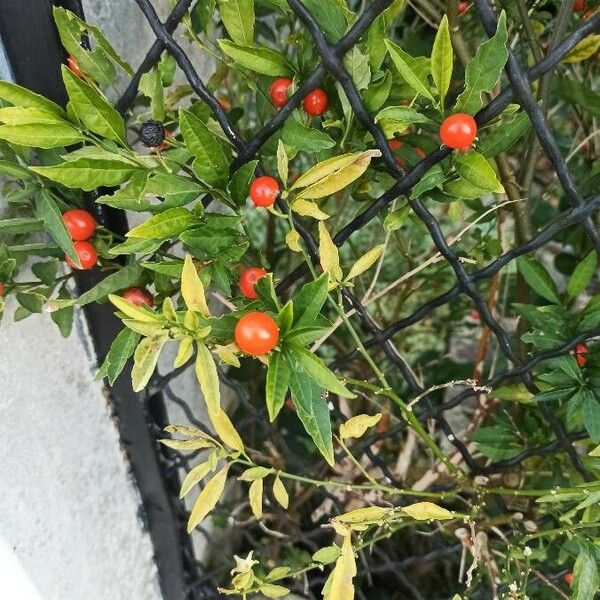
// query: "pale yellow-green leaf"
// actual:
[[254, 473], [143, 328], [307, 208], [326, 555], [365, 262], [185, 430], [356, 426], [255, 494], [582, 51], [270, 590], [278, 573], [193, 444], [186, 349], [206, 372], [280, 492], [197, 474], [341, 586], [329, 255], [292, 239], [442, 58], [208, 498], [369, 514], [168, 309], [282, 163], [145, 358], [423, 511], [192, 289], [333, 174], [514, 393], [595, 451], [228, 355], [137, 313]]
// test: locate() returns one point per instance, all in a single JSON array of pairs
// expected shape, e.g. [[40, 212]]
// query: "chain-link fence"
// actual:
[[201, 582]]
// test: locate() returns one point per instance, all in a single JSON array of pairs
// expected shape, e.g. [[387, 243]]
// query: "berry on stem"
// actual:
[[316, 102], [139, 296], [278, 91], [87, 256], [1, 289], [458, 131], [74, 66], [568, 578], [152, 134], [462, 7], [256, 333], [578, 6], [80, 224], [248, 280], [264, 191], [580, 354]]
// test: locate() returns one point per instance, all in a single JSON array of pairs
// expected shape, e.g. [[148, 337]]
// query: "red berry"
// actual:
[[139, 296], [278, 91], [316, 102], [225, 104], [395, 144], [475, 315], [256, 333], [458, 131], [74, 66], [580, 351], [80, 224], [264, 191], [579, 6], [248, 280], [1, 289], [462, 7], [87, 256], [568, 577]]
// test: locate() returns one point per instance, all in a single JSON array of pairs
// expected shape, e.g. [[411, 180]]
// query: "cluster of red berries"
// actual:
[[81, 225], [315, 103]]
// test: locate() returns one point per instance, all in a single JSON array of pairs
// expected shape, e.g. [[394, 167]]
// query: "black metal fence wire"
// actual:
[[580, 213]]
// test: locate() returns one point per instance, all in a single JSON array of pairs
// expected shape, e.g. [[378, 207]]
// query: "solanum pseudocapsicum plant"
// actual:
[[216, 235]]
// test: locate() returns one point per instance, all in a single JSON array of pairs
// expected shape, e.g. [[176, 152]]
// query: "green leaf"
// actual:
[[21, 115], [582, 275], [93, 109], [538, 278], [20, 96], [47, 210], [442, 59], [63, 318], [46, 271], [586, 580], [303, 360], [120, 351], [21, 225], [145, 358], [238, 18], [357, 65], [313, 411], [278, 378], [433, 177], [300, 137], [151, 85], [404, 64], [122, 279], [504, 135], [377, 93], [212, 161], [163, 226], [88, 173], [240, 182], [575, 92], [484, 70], [376, 43], [309, 301], [330, 17], [41, 135], [591, 416], [475, 169], [32, 301], [259, 60]]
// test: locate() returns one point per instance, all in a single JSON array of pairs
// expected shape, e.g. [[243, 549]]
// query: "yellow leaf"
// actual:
[[136, 313], [194, 444], [143, 328], [185, 430], [270, 590], [366, 261], [292, 239], [227, 354], [329, 255], [586, 48], [423, 511], [307, 208], [333, 174], [254, 473], [255, 495], [280, 492], [196, 475], [356, 426], [369, 514], [186, 349], [282, 163], [341, 586], [192, 289], [206, 372], [168, 309], [145, 358], [208, 498], [595, 451]]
